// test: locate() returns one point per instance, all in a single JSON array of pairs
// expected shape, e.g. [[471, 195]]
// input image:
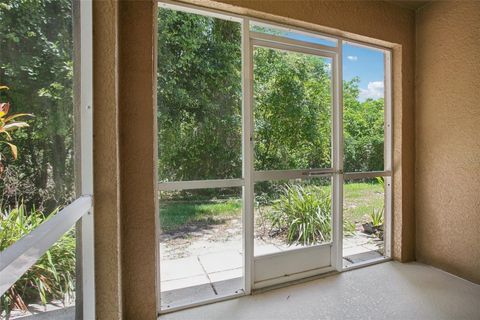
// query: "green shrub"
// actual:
[[304, 213], [348, 228], [377, 217], [52, 277]]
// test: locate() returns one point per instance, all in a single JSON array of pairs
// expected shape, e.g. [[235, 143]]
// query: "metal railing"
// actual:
[[23, 254]]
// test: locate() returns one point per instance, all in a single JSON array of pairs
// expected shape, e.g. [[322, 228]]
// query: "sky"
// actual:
[[368, 65], [362, 62]]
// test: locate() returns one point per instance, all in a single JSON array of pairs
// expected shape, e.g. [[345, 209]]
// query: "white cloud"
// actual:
[[328, 67], [352, 58], [374, 91]]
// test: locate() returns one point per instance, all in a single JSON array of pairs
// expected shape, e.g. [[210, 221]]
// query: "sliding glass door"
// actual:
[[293, 166]]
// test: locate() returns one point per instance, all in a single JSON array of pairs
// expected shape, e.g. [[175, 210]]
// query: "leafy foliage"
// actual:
[[199, 105], [348, 227], [376, 217], [199, 97], [36, 50], [292, 110], [52, 277], [304, 213], [9, 123], [363, 130]]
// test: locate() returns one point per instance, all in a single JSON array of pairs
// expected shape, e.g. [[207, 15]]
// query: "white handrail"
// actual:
[[20, 256]]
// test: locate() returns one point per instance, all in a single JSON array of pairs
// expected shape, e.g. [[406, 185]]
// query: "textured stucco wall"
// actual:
[[138, 157], [382, 23], [106, 161], [124, 159], [447, 173]]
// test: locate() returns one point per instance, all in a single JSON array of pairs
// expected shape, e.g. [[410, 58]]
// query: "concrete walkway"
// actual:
[[202, 269], [48, 312], [202, 277]]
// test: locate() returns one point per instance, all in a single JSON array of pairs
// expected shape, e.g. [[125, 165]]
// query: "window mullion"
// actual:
[[337, 197], [247, 150]]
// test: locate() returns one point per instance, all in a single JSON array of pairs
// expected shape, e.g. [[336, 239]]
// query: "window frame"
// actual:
[[249, 40], [25, 252], [83, 110]]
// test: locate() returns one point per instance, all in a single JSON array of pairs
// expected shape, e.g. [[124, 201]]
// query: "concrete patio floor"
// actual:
[[217, 268], [202, 269], [390, 290]]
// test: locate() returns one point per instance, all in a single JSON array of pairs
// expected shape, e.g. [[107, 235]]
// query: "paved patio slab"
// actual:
[[181, 268], [221, 261], [225, 275], [174, 284]]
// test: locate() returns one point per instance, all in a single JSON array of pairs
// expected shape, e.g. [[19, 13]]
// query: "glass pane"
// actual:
[[292, 214], [363, 115], [293, 122], [37, 175], [363, 220], [199, 97], [200, 245], [293, 34]]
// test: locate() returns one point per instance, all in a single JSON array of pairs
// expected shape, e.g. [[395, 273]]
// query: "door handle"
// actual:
[[316, 173], [321, 173]]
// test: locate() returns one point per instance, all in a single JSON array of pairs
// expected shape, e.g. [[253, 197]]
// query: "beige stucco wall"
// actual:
[[124, 159], [447, 172], [138, 157]]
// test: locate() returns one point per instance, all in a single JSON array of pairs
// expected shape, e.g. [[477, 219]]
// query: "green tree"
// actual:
[[292, 110], [36, 63], [199, 104], [199, 97], [363, 130]]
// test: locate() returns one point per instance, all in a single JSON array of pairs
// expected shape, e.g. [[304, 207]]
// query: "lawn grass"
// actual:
[[359, 201], [174, 215]]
